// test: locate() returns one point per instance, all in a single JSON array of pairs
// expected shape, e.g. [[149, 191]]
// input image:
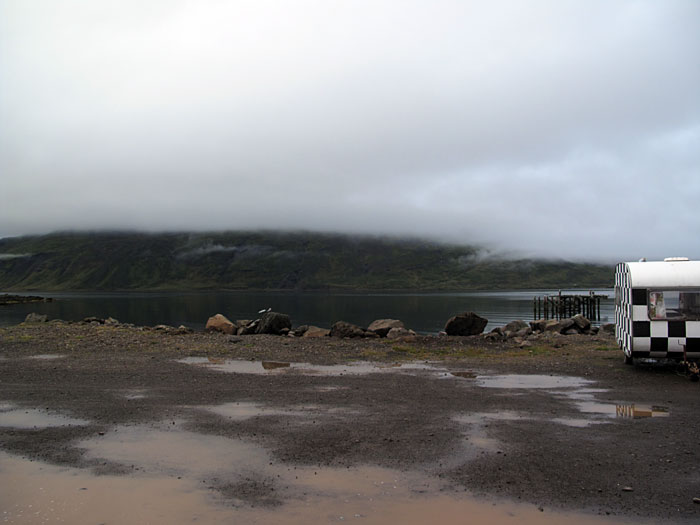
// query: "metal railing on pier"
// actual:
[[561, 306]]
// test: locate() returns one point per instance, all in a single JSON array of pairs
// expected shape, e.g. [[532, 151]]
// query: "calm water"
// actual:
[[424, 313]]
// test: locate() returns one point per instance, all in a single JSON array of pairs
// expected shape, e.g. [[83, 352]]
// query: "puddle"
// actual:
[[276, 367], [478, 439], [35, 492], [620, 410], [531, 381], [31, 418], [576, 422], [46, 356], [242, 411], [170, 450]]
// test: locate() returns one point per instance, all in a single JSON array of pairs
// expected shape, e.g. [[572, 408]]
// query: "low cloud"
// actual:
[[567, 129]]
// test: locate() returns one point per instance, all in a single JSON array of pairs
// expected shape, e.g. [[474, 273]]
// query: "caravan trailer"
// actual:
[[657, 309]]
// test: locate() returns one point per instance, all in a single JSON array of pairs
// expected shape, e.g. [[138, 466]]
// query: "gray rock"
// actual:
[[299, 331], [315, 331], [274, 323], [559, 327], [381, 327], [36, 318], [400, 333], [608, 328], [111, 321], [581, 322], [524, 332], [493, 336], [515, 326], [348, 330], [467, 323], [249, 329], [539, 325]]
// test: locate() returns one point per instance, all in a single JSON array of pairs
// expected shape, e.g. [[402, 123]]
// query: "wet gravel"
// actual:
[[509, 442]]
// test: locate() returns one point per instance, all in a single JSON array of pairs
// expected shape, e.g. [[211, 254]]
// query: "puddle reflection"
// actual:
[[35, 492], [239, 366], [531, 381], [625, 411]]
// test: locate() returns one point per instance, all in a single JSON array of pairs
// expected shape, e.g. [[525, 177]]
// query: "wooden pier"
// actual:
[[562, 306]]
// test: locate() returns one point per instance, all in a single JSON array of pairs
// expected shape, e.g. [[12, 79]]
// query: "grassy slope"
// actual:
[[270, 260]]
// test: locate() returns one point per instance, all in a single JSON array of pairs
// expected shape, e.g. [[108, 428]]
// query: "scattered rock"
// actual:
[[249, 329], [36, 318], [581, 322], [524, 332], [467, 323], [608, 328], [274, 323], [515, 326], [96, 320], [538, 325], [299, 331], [219, 323], [494, 336], [111, 321], [348, 330], [627, 489], [558, 326], [382, 327], [182, 330], [315, 331], [400, 333]]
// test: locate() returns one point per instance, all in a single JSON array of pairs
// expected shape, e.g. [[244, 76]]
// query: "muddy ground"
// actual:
[[559, 444]]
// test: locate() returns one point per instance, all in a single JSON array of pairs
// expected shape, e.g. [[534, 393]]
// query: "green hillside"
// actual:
[[270, 261]]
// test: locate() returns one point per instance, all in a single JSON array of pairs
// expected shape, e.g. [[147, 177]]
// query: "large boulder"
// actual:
[[582, 324], [219, 323], [274, 323], [467, 323], [381, 327], [348, 330]]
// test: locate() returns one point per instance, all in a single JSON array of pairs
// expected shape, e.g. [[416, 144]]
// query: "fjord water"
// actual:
[[422, 312]]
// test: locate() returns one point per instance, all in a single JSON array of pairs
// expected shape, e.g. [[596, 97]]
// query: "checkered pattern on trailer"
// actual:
[[623, 308], [638, 336]]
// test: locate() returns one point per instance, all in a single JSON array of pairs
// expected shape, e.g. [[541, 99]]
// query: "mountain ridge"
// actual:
[[272, 260]]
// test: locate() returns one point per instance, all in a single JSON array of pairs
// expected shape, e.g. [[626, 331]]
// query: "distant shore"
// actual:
[[6, 299]]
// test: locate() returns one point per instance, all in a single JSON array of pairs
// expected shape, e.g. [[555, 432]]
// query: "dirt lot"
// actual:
[[562, 425]]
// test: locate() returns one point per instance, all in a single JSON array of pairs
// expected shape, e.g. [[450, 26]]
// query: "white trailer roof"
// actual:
[[665, 274]]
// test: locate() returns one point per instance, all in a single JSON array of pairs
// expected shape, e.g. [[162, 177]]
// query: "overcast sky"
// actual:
[[555, 128]]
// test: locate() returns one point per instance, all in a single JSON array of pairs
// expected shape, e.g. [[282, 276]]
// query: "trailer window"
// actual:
[[674, 304]]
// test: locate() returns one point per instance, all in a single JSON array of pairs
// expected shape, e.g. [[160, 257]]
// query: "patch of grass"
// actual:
[[606, 349]]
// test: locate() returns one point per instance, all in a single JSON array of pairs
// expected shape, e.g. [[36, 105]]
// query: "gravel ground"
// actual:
[[553, 445]]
